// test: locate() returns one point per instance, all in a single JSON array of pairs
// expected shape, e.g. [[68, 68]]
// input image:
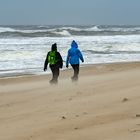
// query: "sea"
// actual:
[[23, 48]]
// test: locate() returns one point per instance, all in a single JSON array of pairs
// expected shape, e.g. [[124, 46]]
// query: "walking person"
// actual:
[[55, 62], [73, 57]]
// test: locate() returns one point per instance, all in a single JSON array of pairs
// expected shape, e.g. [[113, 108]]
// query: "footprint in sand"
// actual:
[[134, 131], [63, 117], [76, 128], [137, 115], [85, 113], [125, 100], [70, 99]]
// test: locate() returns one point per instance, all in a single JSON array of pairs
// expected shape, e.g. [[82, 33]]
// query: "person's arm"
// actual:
[[80, 55], [67, 60], [60, 60], [46, 63]]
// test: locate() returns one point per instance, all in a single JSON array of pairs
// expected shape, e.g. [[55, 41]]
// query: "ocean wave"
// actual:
[[94, 28], [6, 29], [110, 52], [62, 31], [35, 34]]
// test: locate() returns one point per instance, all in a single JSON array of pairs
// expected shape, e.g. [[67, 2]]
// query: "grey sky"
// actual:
[[55, 12]]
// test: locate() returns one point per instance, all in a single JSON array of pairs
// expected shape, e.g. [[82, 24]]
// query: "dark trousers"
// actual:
[[55, 73], [76, 71]]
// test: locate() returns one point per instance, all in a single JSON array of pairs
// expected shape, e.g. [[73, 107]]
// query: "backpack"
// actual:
[[52, 57]]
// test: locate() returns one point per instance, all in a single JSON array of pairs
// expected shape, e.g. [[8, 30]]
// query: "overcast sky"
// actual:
[[71, 12]]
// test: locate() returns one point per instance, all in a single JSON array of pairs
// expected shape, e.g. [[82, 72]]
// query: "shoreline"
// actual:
[[26, 74]]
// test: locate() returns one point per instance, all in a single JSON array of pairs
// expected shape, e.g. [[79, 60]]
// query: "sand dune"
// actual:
[[103, 105]]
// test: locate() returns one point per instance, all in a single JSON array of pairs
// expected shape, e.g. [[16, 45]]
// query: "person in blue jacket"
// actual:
[[73, 57]]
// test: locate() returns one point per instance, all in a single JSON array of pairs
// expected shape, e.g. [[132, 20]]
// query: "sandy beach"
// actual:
[[103, 105]]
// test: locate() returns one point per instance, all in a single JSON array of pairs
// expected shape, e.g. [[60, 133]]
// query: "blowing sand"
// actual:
[[103, 105]]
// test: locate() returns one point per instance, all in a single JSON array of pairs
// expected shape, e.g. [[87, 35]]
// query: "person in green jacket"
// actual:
[[55, 61]]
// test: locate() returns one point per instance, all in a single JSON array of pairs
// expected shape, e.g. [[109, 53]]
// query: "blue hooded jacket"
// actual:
[[74, 54]]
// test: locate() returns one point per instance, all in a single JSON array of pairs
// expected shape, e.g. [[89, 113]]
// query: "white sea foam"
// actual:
[[94, 28], [63, 33], [27, 54], [6, 29]]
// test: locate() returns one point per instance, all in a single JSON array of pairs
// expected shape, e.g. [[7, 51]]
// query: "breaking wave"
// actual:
[[64, 31]]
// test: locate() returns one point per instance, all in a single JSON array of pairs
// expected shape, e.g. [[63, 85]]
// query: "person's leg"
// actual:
[[55, 73], [76, 71], [73, 71]]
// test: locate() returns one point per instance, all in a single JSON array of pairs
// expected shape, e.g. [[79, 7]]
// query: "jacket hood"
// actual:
[[74, 44], [54, 47]]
